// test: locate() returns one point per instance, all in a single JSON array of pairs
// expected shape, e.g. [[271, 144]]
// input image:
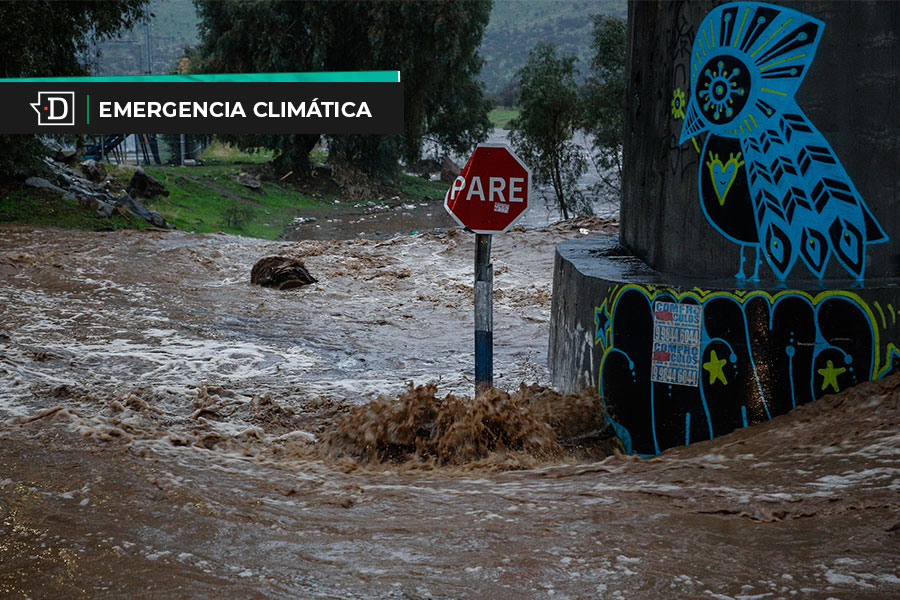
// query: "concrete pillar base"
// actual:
[[758, 350]]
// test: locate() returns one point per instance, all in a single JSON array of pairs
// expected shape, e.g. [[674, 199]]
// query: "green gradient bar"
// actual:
[[322, 77]]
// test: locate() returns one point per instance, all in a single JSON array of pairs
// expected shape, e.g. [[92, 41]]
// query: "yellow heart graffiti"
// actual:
[[723, 175]]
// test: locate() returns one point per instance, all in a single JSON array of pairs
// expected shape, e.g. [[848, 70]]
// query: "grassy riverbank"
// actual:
[[501, 116], [207, 197]]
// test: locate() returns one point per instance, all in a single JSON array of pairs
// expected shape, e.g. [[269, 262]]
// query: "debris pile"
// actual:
[[91, 188], [419, 426]]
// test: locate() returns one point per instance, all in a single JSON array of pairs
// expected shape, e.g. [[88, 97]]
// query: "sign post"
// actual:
[[484, 313], [489, 196]]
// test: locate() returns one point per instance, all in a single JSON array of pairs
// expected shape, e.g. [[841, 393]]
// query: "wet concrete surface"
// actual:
[[160, 420]]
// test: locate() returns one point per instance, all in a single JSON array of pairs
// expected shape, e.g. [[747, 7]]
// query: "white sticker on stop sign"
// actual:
[[500, 207]]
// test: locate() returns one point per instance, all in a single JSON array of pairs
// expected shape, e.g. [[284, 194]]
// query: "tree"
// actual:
[[433, 44], [509, 94], [603, 97], [50, 39], [549, 115]]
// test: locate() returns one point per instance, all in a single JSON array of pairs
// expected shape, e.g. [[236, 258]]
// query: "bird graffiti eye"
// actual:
[[722, 89]]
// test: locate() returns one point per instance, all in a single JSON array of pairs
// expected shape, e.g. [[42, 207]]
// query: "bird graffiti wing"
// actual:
[[747, 62]]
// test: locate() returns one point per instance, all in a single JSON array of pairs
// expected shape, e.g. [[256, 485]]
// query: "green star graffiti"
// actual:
[[829, 376], [714, 366]]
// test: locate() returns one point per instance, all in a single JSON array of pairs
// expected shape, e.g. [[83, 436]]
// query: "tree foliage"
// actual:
[[432, 43], [516, 25], [508, 96], [47, 39], [550, 112], [50, 39], [603, 97]]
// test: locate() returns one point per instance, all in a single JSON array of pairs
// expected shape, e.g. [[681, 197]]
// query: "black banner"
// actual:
[[201, 107]]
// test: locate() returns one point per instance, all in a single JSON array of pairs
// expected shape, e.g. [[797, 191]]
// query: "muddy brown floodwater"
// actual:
[[162, 425]]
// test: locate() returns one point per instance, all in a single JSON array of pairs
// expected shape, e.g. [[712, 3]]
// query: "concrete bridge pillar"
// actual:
[[758, 265]]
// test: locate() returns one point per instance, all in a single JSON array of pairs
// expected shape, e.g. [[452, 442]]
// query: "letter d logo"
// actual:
[[55, 108]]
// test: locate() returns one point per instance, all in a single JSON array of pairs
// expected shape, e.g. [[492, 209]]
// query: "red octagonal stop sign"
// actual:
[[491, 192]]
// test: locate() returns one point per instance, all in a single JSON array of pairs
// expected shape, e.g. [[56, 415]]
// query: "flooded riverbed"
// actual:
[[371, 220], [161, 420]]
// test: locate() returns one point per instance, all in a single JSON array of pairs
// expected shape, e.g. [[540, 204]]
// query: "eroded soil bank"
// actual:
[[161, 422]]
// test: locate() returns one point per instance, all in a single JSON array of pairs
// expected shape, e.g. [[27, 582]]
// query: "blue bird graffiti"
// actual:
[[768, 179]]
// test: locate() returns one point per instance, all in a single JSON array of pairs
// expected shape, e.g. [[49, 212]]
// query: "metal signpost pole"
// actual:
[[484, 313]]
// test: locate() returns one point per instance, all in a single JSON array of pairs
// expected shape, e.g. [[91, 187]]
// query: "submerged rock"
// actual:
[[280, 272]]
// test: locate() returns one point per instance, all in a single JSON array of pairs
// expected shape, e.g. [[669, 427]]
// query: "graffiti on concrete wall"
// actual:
[[768, 180], [761, 354], [678, 38]]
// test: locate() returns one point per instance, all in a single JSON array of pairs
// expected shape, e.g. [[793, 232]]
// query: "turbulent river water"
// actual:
[[162, 421]]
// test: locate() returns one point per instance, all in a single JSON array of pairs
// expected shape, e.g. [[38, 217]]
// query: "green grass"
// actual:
[[419, 187], [501, 116], [219, 153], [200, 196], [45, 208]]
